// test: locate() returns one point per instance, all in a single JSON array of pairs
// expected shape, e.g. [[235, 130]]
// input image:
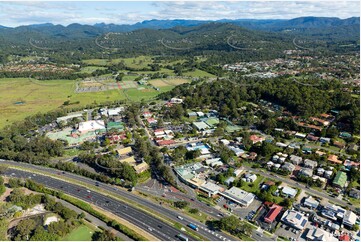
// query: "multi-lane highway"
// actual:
[[153, 225]]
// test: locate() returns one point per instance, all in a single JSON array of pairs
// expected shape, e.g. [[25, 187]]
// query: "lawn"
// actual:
[[198, 73], [82, 233], [90, 69], [168, 82], [253, 187]]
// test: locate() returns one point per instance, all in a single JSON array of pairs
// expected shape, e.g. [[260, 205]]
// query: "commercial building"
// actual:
[[210, 188], [92, 125], [239, 196], [294, 219]]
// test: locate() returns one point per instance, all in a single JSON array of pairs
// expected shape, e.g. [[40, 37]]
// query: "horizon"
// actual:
[[65, 13], [148, 20]]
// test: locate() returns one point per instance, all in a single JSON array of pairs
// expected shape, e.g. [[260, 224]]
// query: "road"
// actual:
[[127, 214], [154, 226], [303, 187], [94, 221]]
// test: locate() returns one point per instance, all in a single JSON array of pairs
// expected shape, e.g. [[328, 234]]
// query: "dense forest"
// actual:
[[222, 42]]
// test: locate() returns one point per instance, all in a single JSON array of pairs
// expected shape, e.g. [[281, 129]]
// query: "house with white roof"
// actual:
[[294, 219], [317, 234], [289, 192], [349, 219]]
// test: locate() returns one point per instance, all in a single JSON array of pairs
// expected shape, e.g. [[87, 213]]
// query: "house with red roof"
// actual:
[[255, 139], [273, 213]]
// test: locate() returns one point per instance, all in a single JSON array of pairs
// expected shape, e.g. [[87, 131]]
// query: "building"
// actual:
[[200, 126], [289, 192], [255, 139], [139, 168], [192, 114], [239, 196], [237, 151], [124, 151], [355, 193], [340, 179], [176, 100], [306, 172], [332, 209], [311, 203], [165, 142], [310, 163], [317, 234], [249, 177], [237, 172], [210, 188], [92, 125], [151, 121], [115, 111], [334, 159], [325, 140], [229, 180], [349, 219], [288, 166], [294, 219], [129, 160], [147, 114], [273, 213], [296, 160]]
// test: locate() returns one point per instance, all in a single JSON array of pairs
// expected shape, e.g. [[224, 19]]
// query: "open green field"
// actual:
[[198, 73], [90, 69], [82, 233]]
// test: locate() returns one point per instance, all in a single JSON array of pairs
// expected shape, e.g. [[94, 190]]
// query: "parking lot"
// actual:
[[288, 232], [237, 210]]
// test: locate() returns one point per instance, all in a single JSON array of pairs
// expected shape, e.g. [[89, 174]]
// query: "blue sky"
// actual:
[[121, 12]]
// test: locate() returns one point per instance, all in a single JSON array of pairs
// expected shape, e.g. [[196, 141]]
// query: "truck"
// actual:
[[192, 226], [182, 237]]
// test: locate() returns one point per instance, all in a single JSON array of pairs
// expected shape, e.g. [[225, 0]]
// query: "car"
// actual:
[[192, 199], [88, 196], [78, 190], [63, 172], [160, 226], [180, 218], [150, 229], [88, 190]]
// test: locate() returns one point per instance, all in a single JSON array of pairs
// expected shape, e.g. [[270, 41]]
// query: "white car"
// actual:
[[180, 218]]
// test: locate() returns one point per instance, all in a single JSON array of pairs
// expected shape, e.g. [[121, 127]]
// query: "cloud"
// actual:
[[130, 12]]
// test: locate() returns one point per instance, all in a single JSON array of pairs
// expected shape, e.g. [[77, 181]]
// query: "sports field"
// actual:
[[82, 233]]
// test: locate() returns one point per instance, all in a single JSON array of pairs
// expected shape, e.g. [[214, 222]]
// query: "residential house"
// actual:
[[306, 172], [320, 171], [296, 160], [317, 234], [255, 139], [139, 168], [325, 140], [249, 177], [229, 181], [355, 193], [311, 137], [328, 174], [349, 219], [311, 203], [340, 179], [289, 192], [288, 166], [310, 163], [334, 159], [273, 212]]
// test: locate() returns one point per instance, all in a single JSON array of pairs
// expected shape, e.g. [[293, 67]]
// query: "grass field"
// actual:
[[90, 69], [167, 82], [82, 233]]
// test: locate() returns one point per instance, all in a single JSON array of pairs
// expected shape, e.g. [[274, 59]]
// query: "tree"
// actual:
[[24, 228], [194, 210], [180, 204], [105, 235]]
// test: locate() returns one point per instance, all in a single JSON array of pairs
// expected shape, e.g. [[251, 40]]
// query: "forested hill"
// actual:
[[224, 42]]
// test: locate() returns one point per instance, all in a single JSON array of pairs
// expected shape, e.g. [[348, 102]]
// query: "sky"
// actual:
[[16, 13]]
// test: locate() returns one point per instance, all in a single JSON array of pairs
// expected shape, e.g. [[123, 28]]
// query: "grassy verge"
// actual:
[[82, 233]]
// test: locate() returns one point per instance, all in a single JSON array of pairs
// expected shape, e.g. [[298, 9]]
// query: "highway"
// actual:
[[121, 209]]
